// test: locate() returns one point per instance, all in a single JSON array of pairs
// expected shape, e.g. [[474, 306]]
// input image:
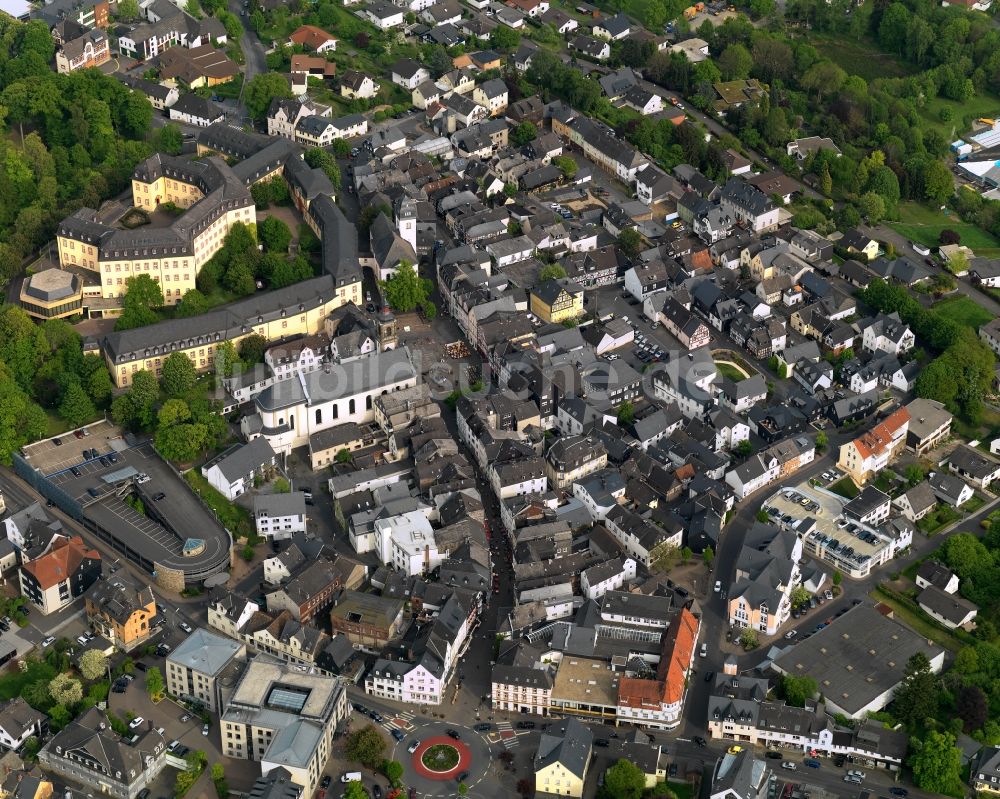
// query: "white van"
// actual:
[[351, 776]]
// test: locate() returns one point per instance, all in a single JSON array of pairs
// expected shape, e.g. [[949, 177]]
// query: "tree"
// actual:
[[630, 242], [355, 790], [366, 746], [181, 442], [624, 780], [744, 449], [799, 596], [523, 134], [170, 136], [128, 10], [239, 278], [76, 407], [252, 349], [551, 272], [566, 165], [179, 374], [626, 412], [837, 577], [93, 663], [949, 236], [98, 385], [193, 303], [142, 290], [798, 689], [936, 763], [708, 557], [262, 88], [393, 771], [735, 62], [173, 411], [65, 690], [821, 441], [939, 184], [274, 234], [748, 639], [142, 295], [872, 207], [319, 158], [154, 683], [972, 707], [916, 698], [504, 39], [405, 290]]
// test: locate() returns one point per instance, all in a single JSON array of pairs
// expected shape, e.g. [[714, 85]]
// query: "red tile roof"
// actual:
[[61, 562], [881, 435], [668, 688], [311, 36]]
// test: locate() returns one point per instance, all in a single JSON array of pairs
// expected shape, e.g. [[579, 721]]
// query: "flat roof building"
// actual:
[[858, 661], [195, 667]]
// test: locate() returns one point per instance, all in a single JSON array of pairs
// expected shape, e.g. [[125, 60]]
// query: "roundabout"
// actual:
[[441, 758]]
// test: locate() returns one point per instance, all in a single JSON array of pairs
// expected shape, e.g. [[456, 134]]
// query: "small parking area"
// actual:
[[50, 457]]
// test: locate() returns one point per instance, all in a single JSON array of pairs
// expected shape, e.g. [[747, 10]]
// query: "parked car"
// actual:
[[484, 727], [811, 762], [773, 755], [789, 765], [828, 594], [136, 723], [899, 792], [699, 741], [325, 782], [48, 641], [791, 634], [204, 730], [523, 725], [602, 742]]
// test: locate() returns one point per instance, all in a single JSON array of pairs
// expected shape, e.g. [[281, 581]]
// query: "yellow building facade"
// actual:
[[214, 200]]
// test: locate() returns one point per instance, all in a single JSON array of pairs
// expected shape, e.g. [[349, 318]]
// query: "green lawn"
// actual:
[[974, 504], [234, 517], [844, 487], [962, 114], [938, 519], [57, 425], [861, 57], [924, 225], [965, 310], [730, 371]]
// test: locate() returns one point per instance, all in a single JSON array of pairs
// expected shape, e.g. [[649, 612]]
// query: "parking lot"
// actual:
[[63, 452]]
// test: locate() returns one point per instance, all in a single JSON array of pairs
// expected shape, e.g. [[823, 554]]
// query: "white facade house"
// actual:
[[400, 681], [305, 355], [280, 516], [232, 473], [407, 543], [526, 476], [596, 581], [292, 410]]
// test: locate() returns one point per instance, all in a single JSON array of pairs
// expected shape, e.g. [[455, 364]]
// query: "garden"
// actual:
[[440, 757]]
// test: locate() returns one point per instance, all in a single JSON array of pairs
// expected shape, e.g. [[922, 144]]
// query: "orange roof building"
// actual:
[[313, 65], [62, 574], [658, 703], [872, 451], [313, 38]]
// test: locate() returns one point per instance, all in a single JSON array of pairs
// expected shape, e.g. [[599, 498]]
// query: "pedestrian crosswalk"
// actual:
[[403, 720], [507, 735]]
